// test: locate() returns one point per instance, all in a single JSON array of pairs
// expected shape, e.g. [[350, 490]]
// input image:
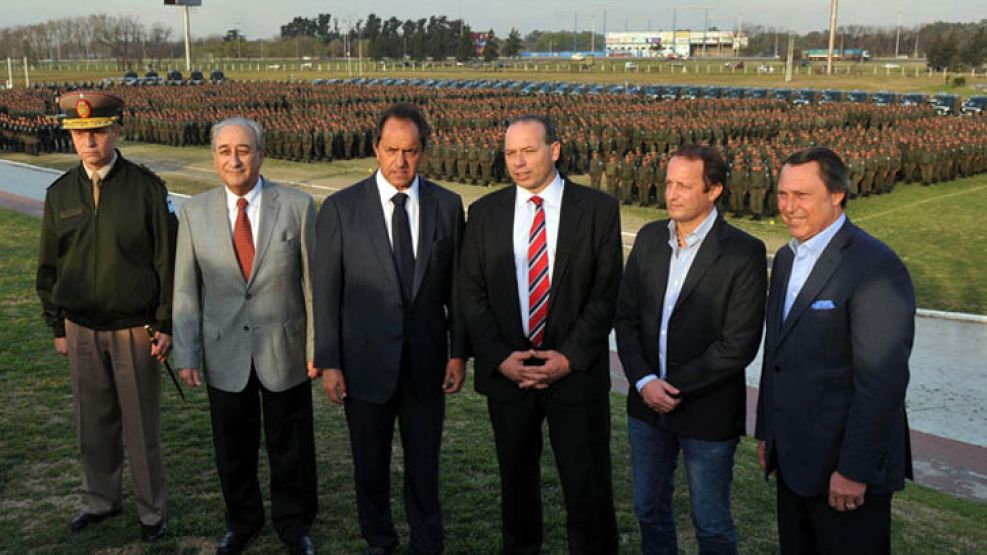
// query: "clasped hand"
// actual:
[[517, 367]]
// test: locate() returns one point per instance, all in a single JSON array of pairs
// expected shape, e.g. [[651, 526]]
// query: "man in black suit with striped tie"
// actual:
[[541, 264]]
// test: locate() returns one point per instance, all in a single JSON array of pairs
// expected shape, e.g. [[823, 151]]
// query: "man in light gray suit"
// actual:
[[243, 314]]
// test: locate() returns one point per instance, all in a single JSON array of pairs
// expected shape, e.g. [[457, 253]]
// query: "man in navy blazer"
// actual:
[[831, 413], [689, 320], [386, 333], [541, 359]]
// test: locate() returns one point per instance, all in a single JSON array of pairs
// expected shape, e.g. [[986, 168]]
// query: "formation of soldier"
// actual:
[[620, 142]]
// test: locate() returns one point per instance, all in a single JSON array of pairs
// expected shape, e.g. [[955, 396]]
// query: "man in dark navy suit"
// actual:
[[831, 414], [386, 337]]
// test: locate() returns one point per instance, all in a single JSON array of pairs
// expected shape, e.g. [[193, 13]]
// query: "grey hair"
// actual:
[[250, 124]]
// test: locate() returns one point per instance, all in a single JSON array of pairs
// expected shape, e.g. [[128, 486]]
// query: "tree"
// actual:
[[513, 44], [976, 50], [491, 50], [465, 50], [942, 52]]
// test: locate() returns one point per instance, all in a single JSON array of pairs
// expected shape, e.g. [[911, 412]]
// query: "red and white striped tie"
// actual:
[[538, 284]]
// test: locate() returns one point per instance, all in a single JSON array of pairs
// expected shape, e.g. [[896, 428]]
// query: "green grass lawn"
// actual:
[[39, 469]]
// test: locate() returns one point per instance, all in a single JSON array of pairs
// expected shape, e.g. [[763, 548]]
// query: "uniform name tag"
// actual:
[[70, 213]]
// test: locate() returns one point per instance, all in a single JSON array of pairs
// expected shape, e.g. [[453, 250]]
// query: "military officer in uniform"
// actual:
[[105, 268]]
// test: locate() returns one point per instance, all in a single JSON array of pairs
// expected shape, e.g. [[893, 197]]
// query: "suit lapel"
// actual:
[[270, 209], [821, 272], [372, 215], [502, 249], [709, 251], [570, 214], [660, 263], [224, 233], [427, 213], [780, 273]]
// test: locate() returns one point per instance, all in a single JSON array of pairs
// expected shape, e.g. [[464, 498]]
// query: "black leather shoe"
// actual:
[[154, 532], [235, 542], [300, 546], [82, 520]]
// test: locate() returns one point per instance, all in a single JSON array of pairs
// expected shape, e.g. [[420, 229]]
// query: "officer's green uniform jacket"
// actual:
[[110, 268]]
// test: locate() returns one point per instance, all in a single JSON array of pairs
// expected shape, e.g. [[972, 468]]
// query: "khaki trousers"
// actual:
[[116, 388]]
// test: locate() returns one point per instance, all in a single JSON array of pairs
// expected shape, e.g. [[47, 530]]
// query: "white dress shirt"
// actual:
[[104, 171], [387, 191], [524, 215], [806, 255], [678, 269], [253, 207]]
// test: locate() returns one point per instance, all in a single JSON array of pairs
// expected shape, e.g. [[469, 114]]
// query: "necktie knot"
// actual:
[[537, 200], [241, 203], [399, 199]]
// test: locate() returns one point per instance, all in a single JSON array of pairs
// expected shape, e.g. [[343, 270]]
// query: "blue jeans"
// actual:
[[709, 468]]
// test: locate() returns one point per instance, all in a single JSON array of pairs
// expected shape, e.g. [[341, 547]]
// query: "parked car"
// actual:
[[914, 99], [975, 105], [831, 95], [946, 103], [884, 98]]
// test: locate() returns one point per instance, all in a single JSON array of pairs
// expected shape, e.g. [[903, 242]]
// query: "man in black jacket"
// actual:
[[688, 323], [541, 267], [105, 268]]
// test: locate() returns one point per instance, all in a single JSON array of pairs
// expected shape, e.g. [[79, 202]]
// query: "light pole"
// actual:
[[188, 39], [834, 7], [897, 37]]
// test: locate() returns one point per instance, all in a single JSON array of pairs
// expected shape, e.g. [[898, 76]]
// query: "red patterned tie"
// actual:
[[537, 275], [243, 239]]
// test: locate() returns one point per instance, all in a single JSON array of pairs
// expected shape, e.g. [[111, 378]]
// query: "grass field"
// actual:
[[871, 76], [937, 230], [39, 470]]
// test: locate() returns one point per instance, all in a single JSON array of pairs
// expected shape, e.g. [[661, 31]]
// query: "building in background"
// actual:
[[680, 44]]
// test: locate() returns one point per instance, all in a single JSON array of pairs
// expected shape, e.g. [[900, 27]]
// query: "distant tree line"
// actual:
[[132, 44], [96, 37], [945, 45]]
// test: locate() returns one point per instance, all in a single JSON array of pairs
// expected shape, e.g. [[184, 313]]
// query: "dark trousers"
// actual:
[[371, 427], [580, 436], [290, 443], [808, 525]]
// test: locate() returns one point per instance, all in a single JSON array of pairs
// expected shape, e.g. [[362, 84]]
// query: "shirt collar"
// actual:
[[551, 195], [252, 197], [819, 241], [386, 190], [697, 236], [104, 171]]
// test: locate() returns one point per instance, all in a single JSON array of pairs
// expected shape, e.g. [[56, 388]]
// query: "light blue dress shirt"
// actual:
[[806, 255], [678, 269]]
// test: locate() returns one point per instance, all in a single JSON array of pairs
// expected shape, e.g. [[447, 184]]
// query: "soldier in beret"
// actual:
[[105, 269]]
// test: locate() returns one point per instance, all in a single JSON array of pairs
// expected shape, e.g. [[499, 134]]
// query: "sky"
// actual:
[[263, 18]]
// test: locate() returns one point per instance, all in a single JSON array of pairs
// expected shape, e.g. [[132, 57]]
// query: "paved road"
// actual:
[[947, 395]]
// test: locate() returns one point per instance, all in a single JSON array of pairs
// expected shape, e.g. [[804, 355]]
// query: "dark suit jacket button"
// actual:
[[248, 296], [246, 328], [777, 369]]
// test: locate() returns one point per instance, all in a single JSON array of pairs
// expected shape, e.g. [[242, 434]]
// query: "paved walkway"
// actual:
[[947, 395]]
